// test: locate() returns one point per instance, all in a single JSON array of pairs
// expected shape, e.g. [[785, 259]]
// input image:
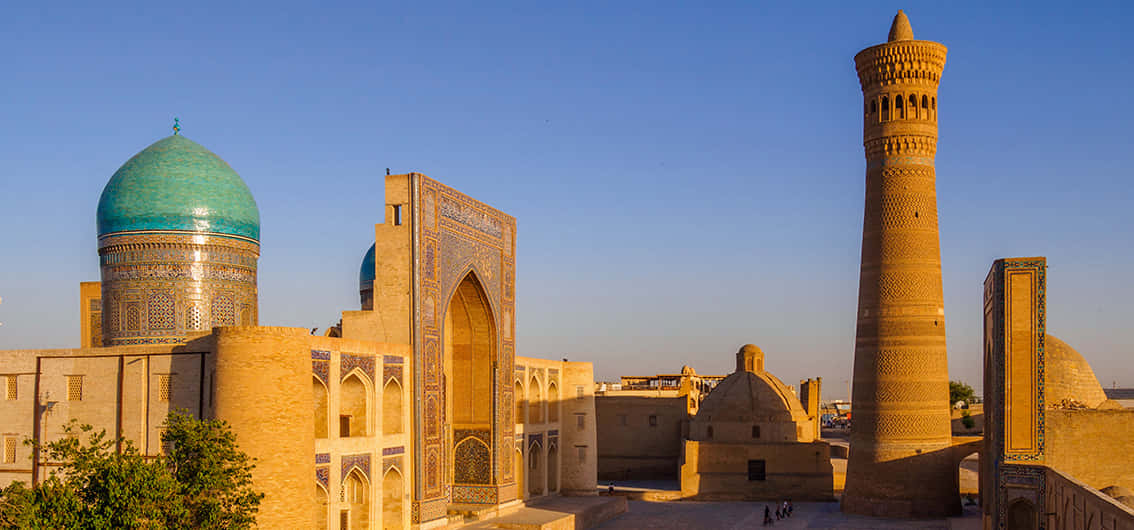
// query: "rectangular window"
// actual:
[[10, 450], [755, 431], [622, 420], [579, 391], [581, 421], [13, 389], [397, 214], [653, 420], [74, 388], [164, 390], [756, 470], [582, 451], [344, 426]]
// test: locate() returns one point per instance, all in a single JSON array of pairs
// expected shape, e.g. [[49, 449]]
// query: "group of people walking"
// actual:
[[782, 512]]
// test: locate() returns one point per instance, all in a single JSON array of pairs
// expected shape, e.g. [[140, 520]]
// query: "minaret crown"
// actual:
[[900, 29]]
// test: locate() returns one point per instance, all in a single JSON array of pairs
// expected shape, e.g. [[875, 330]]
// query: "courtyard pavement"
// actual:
[[746, 515]]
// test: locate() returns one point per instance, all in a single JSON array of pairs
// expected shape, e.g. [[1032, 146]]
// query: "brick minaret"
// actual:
[[900, 464]]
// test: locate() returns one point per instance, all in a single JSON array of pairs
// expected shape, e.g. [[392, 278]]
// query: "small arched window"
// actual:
[[885, 108], [873, 107], [755, 431], [899, 109], [913, 106], [933, 103], [925, 102]]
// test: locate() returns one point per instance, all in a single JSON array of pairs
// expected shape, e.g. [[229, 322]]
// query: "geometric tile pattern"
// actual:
[[362, 462], [362, 362], [157, 286]]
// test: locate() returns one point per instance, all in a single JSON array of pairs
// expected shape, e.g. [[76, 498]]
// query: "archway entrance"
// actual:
[[1021, 515], [470, 348]]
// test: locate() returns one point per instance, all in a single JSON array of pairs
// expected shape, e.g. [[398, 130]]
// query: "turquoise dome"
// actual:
[[175, 184], [366, 273]]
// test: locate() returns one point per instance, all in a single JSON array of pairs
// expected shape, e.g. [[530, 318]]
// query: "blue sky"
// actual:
[[687, 178]]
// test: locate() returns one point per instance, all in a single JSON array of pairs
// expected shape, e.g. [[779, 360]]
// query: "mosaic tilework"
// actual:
[[388, 451], [1031, 479], [471, 462], [323, 476], [321, 355], [349, 362], [429, 510], [362, 462], [159, 286], [391, 372], [394, 462], [322, 458], [176, 184], [393, 359], [462, 235], [466, 494]]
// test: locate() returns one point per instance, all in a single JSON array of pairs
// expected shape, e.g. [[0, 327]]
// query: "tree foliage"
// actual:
[[204, 482], [959, 391]]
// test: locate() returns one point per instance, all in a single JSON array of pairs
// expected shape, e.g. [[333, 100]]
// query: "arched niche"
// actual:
[[392, 507], [392, 407], [470, 347], [320, 391], [472, 462], [353, 406], [321, 500], [535, 404], [521, 403], [356, 495], [552, 403]]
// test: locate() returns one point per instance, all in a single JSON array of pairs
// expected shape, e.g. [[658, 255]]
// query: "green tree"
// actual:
[[959, 391], [205, 482], [215, 476]]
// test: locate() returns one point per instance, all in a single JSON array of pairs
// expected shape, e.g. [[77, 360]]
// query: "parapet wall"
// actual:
[[1076, 506]]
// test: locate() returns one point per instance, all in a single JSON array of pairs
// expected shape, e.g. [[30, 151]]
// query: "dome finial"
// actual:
[[900, 29], [176, 125]]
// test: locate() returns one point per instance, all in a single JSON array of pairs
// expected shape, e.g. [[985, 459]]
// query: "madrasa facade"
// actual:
[[413, 410]]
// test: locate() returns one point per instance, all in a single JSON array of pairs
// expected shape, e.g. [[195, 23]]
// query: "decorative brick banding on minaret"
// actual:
[[900, 464]]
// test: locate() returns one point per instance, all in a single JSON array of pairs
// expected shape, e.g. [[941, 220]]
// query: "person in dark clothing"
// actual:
[[767, 515]]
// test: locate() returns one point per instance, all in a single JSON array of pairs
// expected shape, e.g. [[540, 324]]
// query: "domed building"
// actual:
[[178, 244], [412, 411], [1069, 380], [366, 280], [753, 439]]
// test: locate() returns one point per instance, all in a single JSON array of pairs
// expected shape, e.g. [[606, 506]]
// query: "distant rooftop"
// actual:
[[1119, 393]]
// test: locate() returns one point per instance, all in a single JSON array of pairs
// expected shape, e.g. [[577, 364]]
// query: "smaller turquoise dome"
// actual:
[[366, 273], [176, 184]]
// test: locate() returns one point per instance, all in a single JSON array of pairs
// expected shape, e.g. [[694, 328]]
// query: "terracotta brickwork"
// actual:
[[899, 463]]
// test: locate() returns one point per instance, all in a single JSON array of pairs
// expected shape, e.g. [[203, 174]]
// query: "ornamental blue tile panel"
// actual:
[[176, 184]]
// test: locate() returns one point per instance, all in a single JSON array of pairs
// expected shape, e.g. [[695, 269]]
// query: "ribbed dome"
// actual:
[[176, 184], [744, 396], [1068, 376], [366, 272]]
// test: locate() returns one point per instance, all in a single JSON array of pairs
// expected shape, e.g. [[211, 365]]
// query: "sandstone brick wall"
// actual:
[[629, 446]]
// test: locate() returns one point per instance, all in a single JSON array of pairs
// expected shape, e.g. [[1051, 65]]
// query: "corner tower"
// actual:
[[899, 463], [178, 244]]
